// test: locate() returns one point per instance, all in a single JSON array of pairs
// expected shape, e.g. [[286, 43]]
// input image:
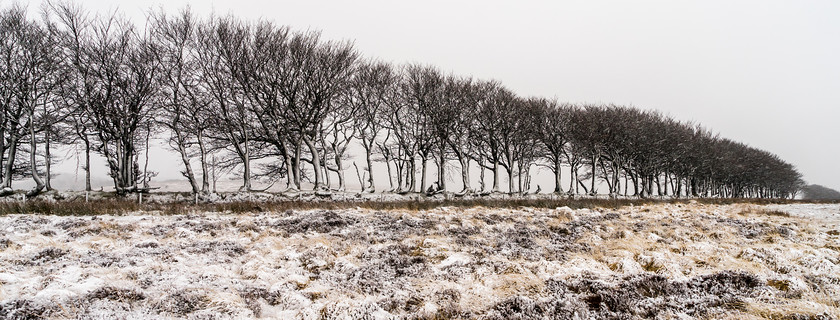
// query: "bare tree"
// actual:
[[520, 145], [421, 90], [552, 131], [400, 144], [14, 113], [263, 77], [33, 73], [371, 89], [73, 28], [323, 68], [221, 47], [339, 129], [497, 125], [456, 121], [124, 67], [184, 103]]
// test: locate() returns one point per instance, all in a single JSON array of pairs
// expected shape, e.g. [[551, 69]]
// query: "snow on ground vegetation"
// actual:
[[652, 261]]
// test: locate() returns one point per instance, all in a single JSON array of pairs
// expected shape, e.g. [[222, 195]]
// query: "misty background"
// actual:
[[764, 73]]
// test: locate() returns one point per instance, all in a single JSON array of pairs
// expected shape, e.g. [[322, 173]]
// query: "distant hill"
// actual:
[[818, 192]]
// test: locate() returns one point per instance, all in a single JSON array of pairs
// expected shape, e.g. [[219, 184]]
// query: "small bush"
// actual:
[[229, 248], [319, 221], [183, 302], [46, 255], [116, 294], [517, 308], [22, 310], [253, 295]]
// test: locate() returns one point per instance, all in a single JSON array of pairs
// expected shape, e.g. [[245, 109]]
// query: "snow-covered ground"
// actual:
[[656, 261]]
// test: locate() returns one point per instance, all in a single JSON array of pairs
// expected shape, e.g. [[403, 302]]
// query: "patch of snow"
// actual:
[[456, 259]]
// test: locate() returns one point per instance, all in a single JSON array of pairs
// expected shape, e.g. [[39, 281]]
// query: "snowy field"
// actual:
[[658, 261]]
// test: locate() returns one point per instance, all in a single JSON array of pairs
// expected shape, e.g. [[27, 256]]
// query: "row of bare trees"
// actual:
[[271, 102]]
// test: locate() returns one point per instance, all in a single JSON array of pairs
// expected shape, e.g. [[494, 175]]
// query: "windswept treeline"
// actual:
[[818, 192], [267, 101]]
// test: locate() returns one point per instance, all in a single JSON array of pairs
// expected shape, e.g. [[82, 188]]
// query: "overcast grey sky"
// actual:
[[766, 73]]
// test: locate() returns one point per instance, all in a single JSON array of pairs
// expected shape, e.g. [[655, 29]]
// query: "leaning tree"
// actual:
[[184, 103], [31, 75]]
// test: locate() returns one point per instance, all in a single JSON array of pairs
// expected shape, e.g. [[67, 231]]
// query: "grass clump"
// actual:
[[764, 212]]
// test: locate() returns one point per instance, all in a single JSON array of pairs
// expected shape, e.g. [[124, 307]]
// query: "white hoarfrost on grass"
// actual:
[[653, 261]]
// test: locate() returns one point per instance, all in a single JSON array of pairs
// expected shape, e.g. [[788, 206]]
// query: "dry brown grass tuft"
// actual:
[[652, 266], [781, 285], [752, 210]]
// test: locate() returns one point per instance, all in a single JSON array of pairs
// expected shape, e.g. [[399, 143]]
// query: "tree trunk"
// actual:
[[146, 160], [442, 170], [316, 163], [287, 160], [48, 162], [410, 177], [296, 166], [425, 163], [616, 178], [246, 162], [370, 187], [325, 171], [113, 166], [398, 175], [678, 189], [649, 184], [672, 183], [496, 169], [2, 151], [39, 183], [87, 165], [626, 184], [188, 171], [341, 184], [325, 166], [481, 185], [10, 162], [412, 173], [580, 183], [638, 188], [205, 178], [126, 163], [509, 170], [387, 156], [121, 165], [558, 188], [658, 185], [527, 182], [606, 175], [465, 173], [213, 165], [400, 166], [592, 187]]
